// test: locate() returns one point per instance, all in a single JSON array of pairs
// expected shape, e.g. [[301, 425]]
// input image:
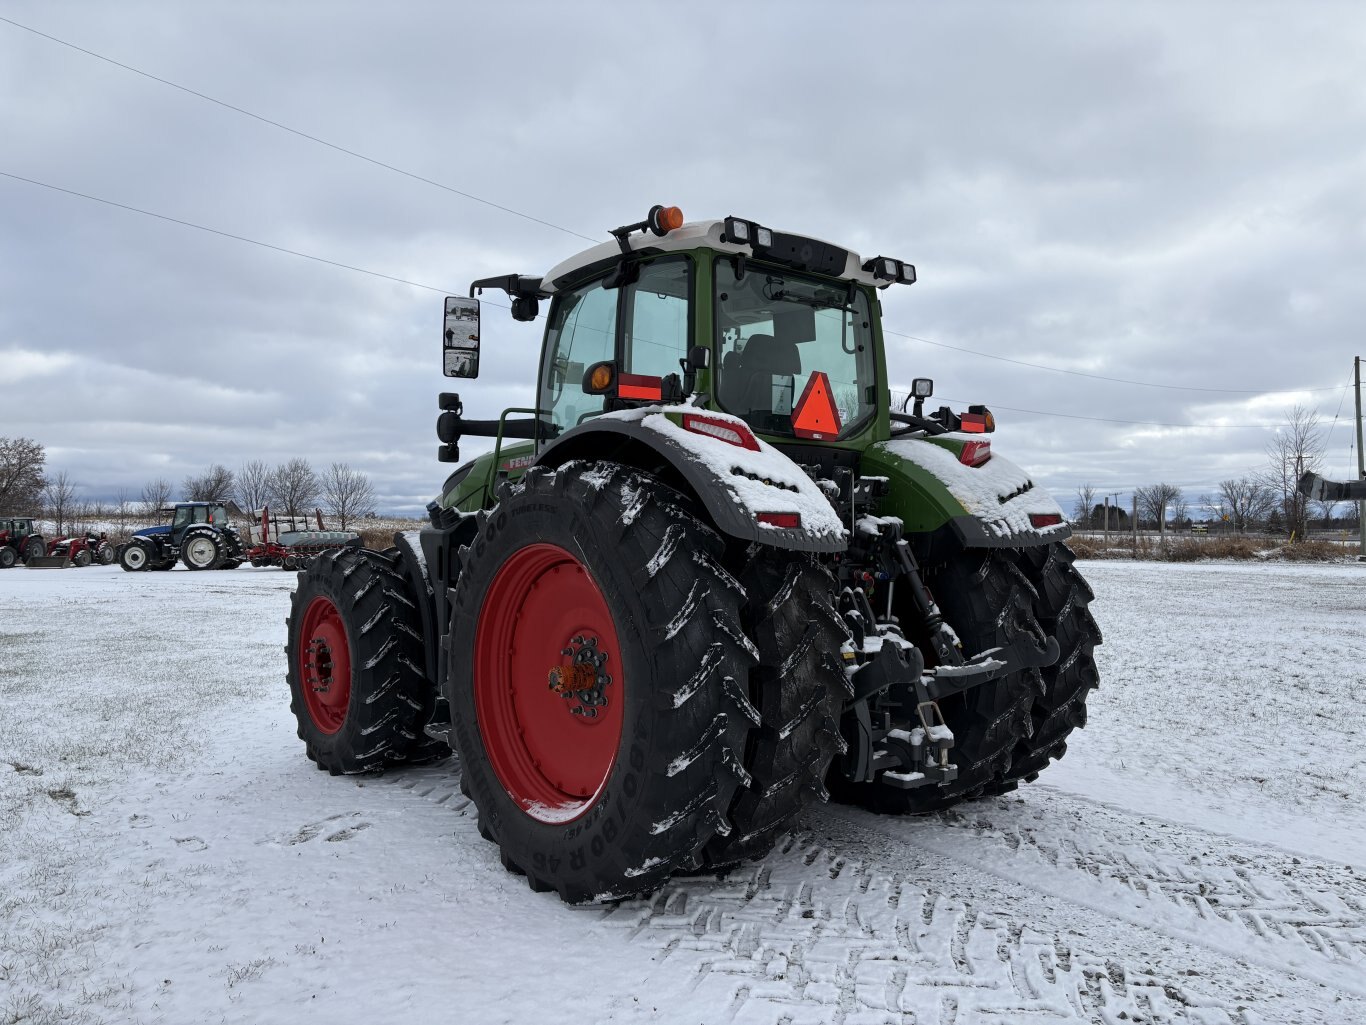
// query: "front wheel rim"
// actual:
[[548, 683], [135, 557], [324, 665]]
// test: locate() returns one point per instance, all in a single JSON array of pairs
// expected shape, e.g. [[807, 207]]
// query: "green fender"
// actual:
[[941, 501]]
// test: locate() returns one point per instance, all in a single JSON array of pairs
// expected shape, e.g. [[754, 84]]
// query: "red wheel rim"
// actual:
[[544, 623], [324, 665]]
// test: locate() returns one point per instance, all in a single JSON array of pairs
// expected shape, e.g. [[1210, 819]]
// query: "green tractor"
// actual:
[[710, 576]]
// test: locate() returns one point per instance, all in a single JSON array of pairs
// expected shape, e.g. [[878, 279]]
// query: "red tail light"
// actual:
[[639, 386], [975, 453], [722, 430], [780, 519], [1045, 519]]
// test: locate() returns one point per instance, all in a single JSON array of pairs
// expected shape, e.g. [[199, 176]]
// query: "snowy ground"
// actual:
[[168, 855]]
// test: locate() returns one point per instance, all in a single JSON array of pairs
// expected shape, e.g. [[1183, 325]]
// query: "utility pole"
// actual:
[[1361, 462], [1134, 521]]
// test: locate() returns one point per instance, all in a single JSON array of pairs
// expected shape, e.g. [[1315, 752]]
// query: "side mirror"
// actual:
[[460, 345]]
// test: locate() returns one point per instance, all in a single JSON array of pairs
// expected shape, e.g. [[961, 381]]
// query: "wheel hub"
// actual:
[[582, 682]]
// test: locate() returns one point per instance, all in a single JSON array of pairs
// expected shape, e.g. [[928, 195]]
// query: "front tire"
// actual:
[[135, 557], [596, 681], [355, 648], [8, 556], [81, 559]]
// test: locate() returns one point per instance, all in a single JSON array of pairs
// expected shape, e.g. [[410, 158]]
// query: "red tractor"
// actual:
[[20, 541], [82, 551]]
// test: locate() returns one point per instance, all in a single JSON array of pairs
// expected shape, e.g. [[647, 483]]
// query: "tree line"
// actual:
[[292, 488], [1264, 498]]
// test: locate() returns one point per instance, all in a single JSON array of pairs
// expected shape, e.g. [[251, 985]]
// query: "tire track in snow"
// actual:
[[816, 932], [1308, 911]]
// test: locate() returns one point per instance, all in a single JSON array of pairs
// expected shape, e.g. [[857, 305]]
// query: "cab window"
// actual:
[[656, 329], [582, 331]]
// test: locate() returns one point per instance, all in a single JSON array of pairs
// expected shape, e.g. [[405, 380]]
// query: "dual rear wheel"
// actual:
[[630, 696]]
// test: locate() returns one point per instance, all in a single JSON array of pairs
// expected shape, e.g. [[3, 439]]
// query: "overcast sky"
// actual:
[[1171, 194]]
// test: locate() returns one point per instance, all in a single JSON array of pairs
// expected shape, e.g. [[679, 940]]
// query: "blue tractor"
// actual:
[[199, 535]]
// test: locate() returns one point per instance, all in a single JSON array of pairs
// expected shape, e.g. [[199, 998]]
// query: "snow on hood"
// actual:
[[999, 493], [744, 471]]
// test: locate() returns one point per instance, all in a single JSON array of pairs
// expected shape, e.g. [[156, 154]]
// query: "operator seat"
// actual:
[[764, 358]]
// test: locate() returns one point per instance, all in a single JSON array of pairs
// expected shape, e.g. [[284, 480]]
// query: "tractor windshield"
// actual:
[[778, 334]]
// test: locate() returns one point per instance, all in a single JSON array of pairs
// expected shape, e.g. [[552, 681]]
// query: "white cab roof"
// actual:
[[692, 235]]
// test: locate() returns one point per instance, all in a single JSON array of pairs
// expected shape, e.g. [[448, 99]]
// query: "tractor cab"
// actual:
[[778, 330], [187, 514]]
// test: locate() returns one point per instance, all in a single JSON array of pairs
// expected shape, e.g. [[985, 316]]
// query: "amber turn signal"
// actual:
[[598, 378]]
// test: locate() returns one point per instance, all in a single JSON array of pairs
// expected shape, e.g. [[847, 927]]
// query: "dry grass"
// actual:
[[1196, 549]]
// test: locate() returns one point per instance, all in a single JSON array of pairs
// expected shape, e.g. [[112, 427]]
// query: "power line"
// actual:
[[227, 234], [550, 224], [1094, 377], [294, 131]]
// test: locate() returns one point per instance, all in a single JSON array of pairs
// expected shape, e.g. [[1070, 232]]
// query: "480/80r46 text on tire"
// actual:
[[355, 648], [597, 681]]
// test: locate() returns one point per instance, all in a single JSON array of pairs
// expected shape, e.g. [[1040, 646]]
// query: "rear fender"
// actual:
[[944, 503], [733, 484]]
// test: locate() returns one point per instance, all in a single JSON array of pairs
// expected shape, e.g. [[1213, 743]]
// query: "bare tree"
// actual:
[[213, 485], [1181, 511], [294, 486], [1086, 502], [253, 485], [155, 495], [59, 498], [347, 492], [1296, 449], [123, 499], [1326, 510], [1246, 501], [21, 475], [1153, 501]]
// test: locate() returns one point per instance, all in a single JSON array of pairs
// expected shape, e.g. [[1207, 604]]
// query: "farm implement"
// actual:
[[712, 574], [293, 548]]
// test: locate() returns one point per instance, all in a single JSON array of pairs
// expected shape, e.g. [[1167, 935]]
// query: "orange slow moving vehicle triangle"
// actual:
[[815, 415]]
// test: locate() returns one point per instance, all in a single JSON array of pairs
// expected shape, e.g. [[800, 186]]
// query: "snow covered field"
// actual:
[[168, 855]]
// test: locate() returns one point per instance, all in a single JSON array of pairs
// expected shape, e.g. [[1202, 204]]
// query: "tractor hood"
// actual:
[[152, 531]]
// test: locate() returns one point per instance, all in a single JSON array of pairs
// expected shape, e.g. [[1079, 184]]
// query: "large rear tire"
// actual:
[[1062, 606], [596, 681], [798, 686], [202, 549], [355, 648]]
